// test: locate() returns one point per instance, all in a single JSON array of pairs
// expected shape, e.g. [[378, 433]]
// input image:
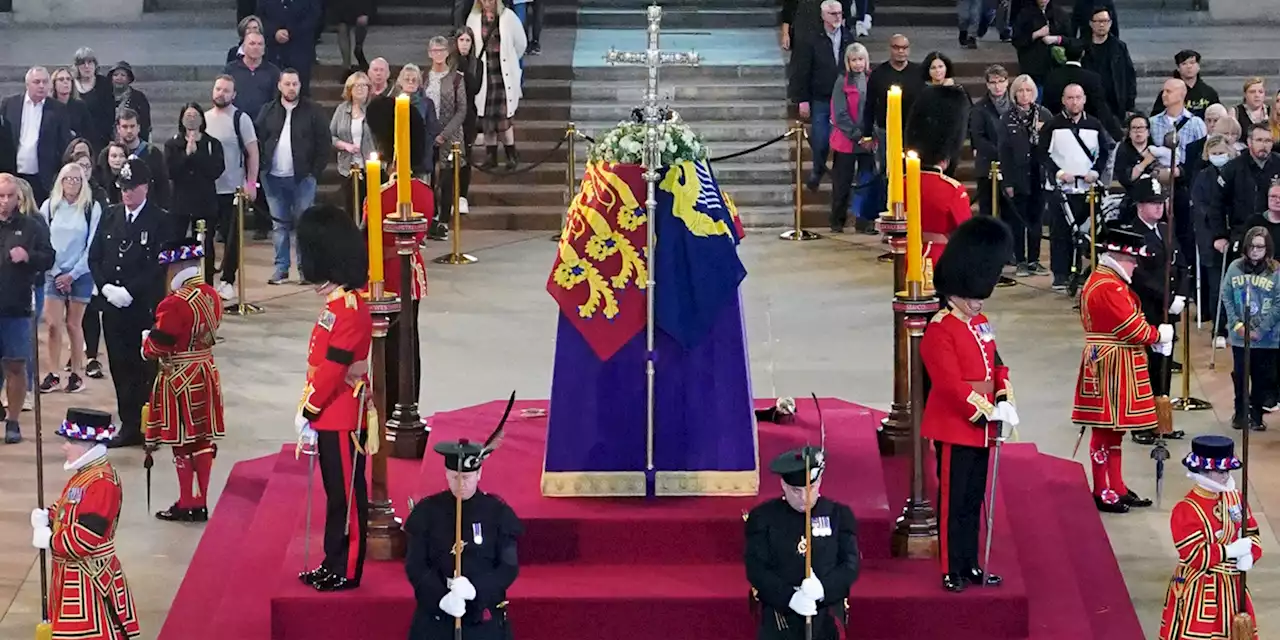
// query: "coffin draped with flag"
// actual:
[[704, 435]]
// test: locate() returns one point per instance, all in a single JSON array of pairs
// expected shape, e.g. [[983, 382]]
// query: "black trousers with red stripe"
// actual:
[[346, 503], [962, 484]]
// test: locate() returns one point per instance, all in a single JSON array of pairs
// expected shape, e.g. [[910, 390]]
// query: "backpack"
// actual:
[[235, 126]]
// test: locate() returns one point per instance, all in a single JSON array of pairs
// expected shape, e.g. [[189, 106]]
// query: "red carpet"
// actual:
[[669, 568]]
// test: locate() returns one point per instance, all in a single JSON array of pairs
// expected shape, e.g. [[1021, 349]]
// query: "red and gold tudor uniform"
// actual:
[[967, 393], [335, 400], [186, 398], [936, 129], [1203, 594], [1113, 388], [89, 597]]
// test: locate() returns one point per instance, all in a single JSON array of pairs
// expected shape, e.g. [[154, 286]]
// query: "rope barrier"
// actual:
[[754, 149], [525, 169]]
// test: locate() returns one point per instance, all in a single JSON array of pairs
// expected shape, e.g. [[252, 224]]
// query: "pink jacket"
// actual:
[[840, 142]]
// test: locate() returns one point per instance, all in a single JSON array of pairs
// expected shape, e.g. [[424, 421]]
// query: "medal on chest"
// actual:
[[327, 318], [985, 333], [821, 526], [1236, 513], [75, 495], [477, 533]]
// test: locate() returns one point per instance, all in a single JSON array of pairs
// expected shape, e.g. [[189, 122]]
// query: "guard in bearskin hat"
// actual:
[[185, 411], [1163, 271], [332, 414], [1217, 540], [79, 528], [968, 396], [381, 118], [936, 130], [1113, 390]]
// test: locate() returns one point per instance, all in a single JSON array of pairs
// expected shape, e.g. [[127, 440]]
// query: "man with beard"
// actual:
[[234, 129]]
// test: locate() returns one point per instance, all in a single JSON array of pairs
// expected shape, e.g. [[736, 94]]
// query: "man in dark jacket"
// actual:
[[1082, 18], [984, 132], [1199, 94], [1095, 103], [128, 132], [898, 71], [35, 158], [290, 27], [1242, 189], [802, 21], [256, 79], [1108, 56], [26, 252], [290, 166], [815, 65]]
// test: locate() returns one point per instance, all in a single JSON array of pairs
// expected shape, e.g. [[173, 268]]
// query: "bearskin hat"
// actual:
[[976, 253], [937, 125], [331, 248], [380, 115]]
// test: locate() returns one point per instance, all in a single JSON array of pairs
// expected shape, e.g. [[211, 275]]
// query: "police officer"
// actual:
[[775, 553], [125, 268], [489, 565]]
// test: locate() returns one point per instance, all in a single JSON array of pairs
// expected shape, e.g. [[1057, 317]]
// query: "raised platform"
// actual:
[[668, 568]]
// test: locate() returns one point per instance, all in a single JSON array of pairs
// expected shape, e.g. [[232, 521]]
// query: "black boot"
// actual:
[[1134, 501], [315, 575], [175, 514], [491, 160], [334, 582], [513, 159], [1111, 507], [1144, 436], [978, 577], [954, 582], [361, 61]]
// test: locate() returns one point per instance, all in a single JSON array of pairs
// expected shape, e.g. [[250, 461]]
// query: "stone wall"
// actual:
[[1245, 10], [77, 11]]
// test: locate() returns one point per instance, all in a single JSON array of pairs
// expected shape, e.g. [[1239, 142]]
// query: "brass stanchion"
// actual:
[[797, 232], [355, 191], [994, 175], [570, 177], [456, 256], [915, 533], [1186, 402], [241, 308]]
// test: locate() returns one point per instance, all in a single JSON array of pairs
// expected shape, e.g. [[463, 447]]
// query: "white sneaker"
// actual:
[[28, 403], [860, 29], [866, 23], [1219, 343], [225, 290], [463, 208]]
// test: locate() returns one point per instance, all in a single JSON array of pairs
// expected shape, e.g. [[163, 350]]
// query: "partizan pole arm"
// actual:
[[44, 554]]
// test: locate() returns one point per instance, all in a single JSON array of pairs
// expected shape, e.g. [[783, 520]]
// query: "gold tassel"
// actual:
[[1242, 627], [1164, 415], [44, 631]]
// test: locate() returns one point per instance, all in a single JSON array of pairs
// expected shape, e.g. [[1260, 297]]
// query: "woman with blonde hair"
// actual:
[[1020, 164], [849, 136], [349, 131], [1253, 108], [501, 45], [409, 83], [27, 206], [73, 217]]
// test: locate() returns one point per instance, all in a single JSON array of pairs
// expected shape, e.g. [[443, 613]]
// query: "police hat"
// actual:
[[462, 455], [792, 464], [1147, 188], [135, 172], [87, 425], [183, 250]]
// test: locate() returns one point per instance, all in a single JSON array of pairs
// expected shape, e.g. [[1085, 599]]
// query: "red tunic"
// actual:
[[186, 399], [944, 204], [1203, 594], [88, 581], [1113, 390], [961, 362], [338, 368], [424, 203]]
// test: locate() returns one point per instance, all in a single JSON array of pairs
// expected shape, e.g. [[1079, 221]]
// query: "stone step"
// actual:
[[679, 18], [670, 5], [898, 15], [686, 90], [440, 14], [691, 111], [703, 74]]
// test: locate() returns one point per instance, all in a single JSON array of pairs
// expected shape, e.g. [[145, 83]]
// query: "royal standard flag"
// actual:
[[600, 272]]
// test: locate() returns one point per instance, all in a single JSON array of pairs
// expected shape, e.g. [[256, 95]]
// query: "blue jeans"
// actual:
[[522, 12], [820, 136], [287, 200]]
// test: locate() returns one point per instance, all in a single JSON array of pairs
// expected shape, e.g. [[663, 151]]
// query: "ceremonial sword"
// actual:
[[991, 506]]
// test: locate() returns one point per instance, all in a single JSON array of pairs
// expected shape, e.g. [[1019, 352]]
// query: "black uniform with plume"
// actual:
[[331, 248], [937, 126]]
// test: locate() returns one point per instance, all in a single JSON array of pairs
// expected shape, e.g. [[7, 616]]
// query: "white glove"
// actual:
[[143, 349], [39, 518], [145, 333], [1164, 348], [1241, 547], [1245, 562], [308, 436], [803, 604], [811, 587], [453, 604], [1006, 413], [463, 587], [300, 423], [40, 537], [117, 295], [1166, 333], [1179, 303]]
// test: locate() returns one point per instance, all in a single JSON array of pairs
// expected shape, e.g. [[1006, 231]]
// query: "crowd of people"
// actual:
[[77, 156]]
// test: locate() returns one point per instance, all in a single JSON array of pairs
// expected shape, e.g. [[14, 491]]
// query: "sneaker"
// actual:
[[67, 367], [93, 369], [860, 29], [1022, 270], [463, 207], [225, 291], [50, 383], [74, 384], [1059, 284], [535, 49], [278, 278], [1038, 269], [1219, 343], [28, 403], [12, 433]]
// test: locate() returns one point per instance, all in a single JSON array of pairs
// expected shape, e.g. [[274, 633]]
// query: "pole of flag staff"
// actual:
[[456, 256], [241, 308], [994, 175], [570, 176], [797, 232], [653, 58]]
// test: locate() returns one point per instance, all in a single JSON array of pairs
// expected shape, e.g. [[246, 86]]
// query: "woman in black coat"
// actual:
[[81, 119], [195, 161], [1134, 154], [466, 62], [1024, 182], [1037, 29]]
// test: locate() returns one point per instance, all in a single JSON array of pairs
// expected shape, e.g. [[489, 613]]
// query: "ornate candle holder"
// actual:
[[386, 534], [406, 430], [894, 436], [915, 534]]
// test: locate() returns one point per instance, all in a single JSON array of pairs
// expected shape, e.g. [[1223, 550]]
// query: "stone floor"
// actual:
[[818, 320]]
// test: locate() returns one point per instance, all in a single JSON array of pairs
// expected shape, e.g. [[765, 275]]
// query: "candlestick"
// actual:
[[893, 144], [403, 193], [915, 245], [373, 216]]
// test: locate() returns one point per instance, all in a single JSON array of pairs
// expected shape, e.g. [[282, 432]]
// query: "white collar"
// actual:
[[1072, 63], [98, 451], [26, 97], [182, 276], [1108, 261], [1209, 485], [133, 213]]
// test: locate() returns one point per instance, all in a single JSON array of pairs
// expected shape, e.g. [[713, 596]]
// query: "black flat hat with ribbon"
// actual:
[[1212, 453], [467, 456], [792, 464]]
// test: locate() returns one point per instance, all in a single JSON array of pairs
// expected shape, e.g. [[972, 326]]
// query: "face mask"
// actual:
[[1218, 159]]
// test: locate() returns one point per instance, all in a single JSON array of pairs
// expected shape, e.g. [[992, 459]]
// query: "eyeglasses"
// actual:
[[360, 85], [72, 179]]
